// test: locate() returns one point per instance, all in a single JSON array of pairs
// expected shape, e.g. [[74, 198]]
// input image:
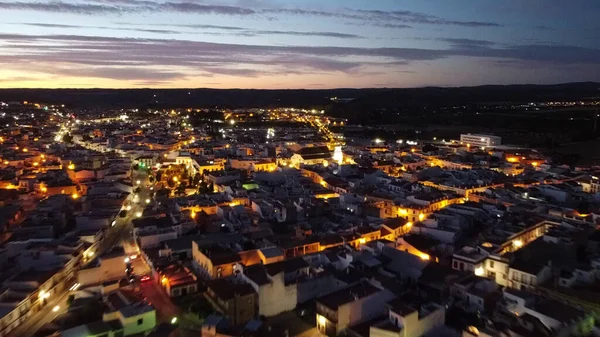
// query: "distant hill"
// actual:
[[355, 98]]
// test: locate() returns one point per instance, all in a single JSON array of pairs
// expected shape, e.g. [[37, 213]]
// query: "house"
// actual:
[[348, 306], [524, 275], [110, 266], [178, 281], [214, 261], [553, 314], [407, 321], [275, 282], [237, 301], [123, 318], [316, 155]]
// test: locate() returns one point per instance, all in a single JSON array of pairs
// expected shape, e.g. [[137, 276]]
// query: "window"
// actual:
[[455, 264], [491, 264], [140, 321]]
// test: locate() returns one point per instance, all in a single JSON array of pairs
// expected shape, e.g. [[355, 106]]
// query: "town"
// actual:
[[286, 222]]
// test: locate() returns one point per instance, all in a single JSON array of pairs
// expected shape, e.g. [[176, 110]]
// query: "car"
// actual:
[[145, 278]]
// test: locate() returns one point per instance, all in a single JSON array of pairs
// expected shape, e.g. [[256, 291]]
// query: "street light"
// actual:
[[55, 309], [147, 201]]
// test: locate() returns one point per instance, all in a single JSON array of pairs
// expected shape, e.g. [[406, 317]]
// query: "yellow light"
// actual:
[[175, 178], [193, 215], [421, 217], [473, 330], [409, 224], [479, 271], [534, 164], [74, 195], [362, 240], [43, 156], [424, 256], [164, 280], [6, 162], [518, 243], [44, 190], [403, 211], [36, 163], [413, 150], [322, 320], [323, 183], [71, 166], [25, 150]]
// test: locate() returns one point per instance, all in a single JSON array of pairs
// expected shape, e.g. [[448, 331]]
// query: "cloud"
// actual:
[[189, 7], [416, 18], [201, 26], [62, 7], [144, 30], [238, 31], [169, 60], [460, 43], [294, 33], [119, 73], [385, 19]]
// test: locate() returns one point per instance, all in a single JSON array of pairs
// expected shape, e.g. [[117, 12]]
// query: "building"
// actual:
[[214, 262], [480, 140], [345, 307], [237, 301], [312, 156], [123, 318], [407, 321], [178, 281]]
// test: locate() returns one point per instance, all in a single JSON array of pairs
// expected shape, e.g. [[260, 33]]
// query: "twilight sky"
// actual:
[[311, 44]]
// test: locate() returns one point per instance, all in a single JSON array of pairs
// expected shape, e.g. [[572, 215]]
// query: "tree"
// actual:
[[197, 178], [180, 189], [67, 138], [171, 183], [203, 188]]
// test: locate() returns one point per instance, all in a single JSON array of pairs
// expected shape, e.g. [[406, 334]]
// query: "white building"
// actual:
[[343, 308], [480, 140]]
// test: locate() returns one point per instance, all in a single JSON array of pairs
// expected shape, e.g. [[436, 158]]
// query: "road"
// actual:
[[46, 315]]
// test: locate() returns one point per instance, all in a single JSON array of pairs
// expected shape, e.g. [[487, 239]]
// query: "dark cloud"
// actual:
[[459, 43], [416, 18], [62, 7], [238, 31], [386, 19], [293, 33], [392, 25], [118, 73], [201, 26], [144, 30], [190, 7], [164, 60]]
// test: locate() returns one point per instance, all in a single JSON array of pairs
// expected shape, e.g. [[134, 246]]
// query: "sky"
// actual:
[[311, 44]]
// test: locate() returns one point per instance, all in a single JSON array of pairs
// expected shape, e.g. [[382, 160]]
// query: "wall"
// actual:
[[109, 269], [147, 241], [275, 297], [131, 326], [362, 309]]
